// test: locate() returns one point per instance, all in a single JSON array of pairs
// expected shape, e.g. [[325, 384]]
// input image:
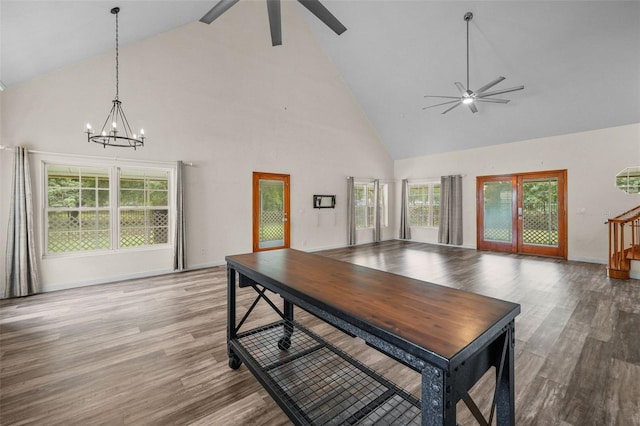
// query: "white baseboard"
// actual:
[[64, 286], [588, 260]]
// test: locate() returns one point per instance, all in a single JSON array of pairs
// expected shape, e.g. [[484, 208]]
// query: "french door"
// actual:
[[271, 211], [523, 213]]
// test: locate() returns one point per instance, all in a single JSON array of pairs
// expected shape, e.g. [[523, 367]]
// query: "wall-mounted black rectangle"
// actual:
[[324, 201]]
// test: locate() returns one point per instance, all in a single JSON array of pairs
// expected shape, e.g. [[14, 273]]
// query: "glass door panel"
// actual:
[[271, 226], [270, 211], [496, 207], [498, 211], [540, 212]]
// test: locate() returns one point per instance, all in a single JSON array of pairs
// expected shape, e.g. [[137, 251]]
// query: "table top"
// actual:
[[441, 320]]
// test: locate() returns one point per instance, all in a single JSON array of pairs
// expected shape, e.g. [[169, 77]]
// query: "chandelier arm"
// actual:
[[109, 117], [125, 123]]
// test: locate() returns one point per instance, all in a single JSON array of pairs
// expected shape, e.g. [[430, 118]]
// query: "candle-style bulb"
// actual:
[[114, 125], [141, 132]]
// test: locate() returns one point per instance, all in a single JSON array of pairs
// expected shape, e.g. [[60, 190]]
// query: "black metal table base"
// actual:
[[316, 383]]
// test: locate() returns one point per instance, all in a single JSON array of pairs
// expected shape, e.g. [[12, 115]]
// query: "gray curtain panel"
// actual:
[[405, 228], [450, 230], [179, 254], [376, 210], [22, 270], [351, 212]]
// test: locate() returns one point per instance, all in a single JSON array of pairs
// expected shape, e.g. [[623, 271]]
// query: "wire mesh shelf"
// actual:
[[318, 383]]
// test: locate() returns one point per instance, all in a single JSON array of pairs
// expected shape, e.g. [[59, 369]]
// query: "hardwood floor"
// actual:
[[153, 351]]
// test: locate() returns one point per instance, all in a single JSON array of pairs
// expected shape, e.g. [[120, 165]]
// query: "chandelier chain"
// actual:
[[117, 62]]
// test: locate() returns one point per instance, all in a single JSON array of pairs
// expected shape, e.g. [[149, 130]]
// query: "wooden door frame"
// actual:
[[257, 176], [516, 245], [561, 250]]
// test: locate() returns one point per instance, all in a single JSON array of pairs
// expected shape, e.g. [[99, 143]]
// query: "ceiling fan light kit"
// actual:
[[273, 10], [469, 97]]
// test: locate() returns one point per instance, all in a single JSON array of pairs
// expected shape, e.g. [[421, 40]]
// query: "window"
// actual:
[[144, 208], [424, 204], [78, 214], [364, 196], [87, 209]]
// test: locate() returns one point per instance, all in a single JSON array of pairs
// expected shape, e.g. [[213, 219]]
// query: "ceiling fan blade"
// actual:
[[444, 97], [472, 107], [490, 85], [273, 8], [221, 7], [497, 101], [497, 92], [443, 103], [321, 12], [446, 111], [461, 88]]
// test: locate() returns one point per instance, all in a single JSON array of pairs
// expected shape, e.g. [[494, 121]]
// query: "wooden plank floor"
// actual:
[[152, 351]]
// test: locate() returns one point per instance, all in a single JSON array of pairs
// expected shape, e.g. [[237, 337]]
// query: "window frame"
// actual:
[[383, 188], [80, 208], [113, 166], [430, 203], [145, 207]]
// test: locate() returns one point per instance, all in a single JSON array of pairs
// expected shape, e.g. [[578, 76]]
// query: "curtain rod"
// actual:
[[434, 178], [93, 157], [360, 179]]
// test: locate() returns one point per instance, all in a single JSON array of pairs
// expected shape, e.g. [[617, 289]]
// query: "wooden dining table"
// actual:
[[451, 337]]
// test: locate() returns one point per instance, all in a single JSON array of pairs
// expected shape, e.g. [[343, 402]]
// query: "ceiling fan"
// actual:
[[273, 9], [470, 97]]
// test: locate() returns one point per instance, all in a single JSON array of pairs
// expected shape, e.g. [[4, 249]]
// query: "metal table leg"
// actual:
[[234, 360], [438, 406], [285, 342], [505, 395]]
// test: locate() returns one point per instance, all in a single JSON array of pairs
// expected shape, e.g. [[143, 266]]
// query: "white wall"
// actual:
[[219, 96], [592, 159]]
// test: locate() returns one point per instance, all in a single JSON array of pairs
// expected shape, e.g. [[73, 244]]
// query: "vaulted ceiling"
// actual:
[[579, 61]]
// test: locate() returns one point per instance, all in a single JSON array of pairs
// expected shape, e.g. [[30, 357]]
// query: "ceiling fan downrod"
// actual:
[[468, 17]]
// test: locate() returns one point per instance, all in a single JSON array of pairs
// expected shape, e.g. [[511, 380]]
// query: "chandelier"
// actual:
[[116, 130]]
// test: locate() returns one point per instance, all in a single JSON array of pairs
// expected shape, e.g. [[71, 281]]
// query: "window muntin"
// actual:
[[424, 205], [88, 210]]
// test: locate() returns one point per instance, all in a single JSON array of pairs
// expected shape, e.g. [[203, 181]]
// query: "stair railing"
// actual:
[[624, 243]]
